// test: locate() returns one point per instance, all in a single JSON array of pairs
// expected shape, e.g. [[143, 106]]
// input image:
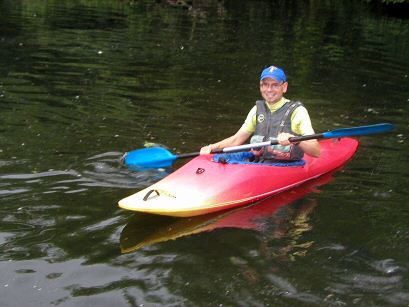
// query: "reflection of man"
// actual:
[[297, 226], [281, 237]]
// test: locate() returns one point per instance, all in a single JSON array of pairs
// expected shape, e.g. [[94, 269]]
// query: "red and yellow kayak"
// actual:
[[143, 230], [203, 186]]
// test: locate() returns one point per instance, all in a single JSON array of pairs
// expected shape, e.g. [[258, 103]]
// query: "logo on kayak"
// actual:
[[200, 171], [260, 118]]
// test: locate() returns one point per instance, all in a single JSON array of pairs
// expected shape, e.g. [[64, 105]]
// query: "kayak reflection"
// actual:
[[146, 229]]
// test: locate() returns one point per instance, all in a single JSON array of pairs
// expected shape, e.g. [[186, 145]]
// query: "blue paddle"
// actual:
[[158, 157]]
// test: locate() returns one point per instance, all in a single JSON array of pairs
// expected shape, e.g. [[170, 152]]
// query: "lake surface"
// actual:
[[82, 82]]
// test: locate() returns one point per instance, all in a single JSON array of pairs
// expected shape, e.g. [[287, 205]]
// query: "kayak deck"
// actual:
[[202, 186]]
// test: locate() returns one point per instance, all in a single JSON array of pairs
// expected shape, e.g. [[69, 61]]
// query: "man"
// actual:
[[275, 117]]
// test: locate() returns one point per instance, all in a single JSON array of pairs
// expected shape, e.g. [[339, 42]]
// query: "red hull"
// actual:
[[203, 186]]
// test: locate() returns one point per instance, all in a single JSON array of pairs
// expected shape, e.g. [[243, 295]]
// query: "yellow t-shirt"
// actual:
[[300, 119]]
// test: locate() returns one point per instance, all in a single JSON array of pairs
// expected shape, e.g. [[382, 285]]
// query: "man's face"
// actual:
[[272, 90]]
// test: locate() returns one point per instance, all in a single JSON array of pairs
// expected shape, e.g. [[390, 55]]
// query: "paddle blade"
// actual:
[[362, 130], [152, 157]]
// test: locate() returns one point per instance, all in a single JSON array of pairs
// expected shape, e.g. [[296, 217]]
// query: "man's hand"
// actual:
[[283, 137], [205, 150]]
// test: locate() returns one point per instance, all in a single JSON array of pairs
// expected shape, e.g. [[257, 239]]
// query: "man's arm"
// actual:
[[301, 124], [310, 147]]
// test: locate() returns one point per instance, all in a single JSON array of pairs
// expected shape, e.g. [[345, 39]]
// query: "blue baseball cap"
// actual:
[[273, 72]]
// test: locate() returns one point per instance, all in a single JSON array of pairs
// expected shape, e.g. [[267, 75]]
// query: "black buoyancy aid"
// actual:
[[269, 125]]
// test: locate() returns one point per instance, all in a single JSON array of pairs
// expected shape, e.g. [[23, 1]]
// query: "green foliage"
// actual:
[[389, 1], [395, 1]]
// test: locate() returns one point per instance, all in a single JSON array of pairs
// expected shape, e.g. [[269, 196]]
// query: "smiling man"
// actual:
[[274, 117]]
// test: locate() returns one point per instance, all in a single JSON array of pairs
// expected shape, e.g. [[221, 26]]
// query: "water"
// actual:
[[81, 82]]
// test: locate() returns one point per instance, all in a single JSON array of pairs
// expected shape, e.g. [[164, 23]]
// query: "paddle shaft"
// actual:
[[160, 157], [343, 132], [245, 147], [294, 139]]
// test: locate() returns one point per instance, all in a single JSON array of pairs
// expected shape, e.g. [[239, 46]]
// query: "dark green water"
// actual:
[[81, 82]]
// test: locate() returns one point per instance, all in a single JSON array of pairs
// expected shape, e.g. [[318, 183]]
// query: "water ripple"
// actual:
[[387, 266], [372, 282], [12, 192], [49, 173], [100, 171]]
